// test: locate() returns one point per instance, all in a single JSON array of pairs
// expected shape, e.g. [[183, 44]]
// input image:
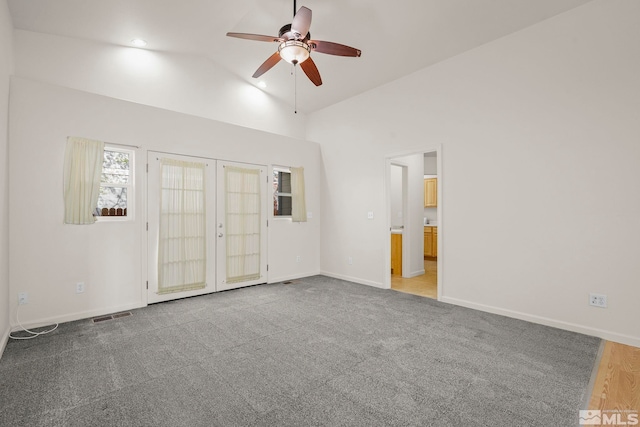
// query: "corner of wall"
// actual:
[[354, 279], [6, 70]]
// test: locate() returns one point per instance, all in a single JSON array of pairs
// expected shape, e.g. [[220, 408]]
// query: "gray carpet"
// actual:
[[319, 351]]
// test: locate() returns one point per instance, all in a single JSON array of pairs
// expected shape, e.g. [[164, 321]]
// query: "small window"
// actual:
[[281, 192], [116, 184]]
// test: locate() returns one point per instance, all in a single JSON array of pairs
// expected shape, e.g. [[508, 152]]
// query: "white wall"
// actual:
[[397, 214], [48, 258], [182, 83], [430, 165], [554, 110], [6, 69]]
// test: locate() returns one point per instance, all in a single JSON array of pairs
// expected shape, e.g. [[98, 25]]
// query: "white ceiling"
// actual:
[[396, 37]]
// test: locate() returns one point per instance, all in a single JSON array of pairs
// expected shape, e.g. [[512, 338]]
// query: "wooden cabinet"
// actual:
[[431, 242], [396, 253], [431, 192], [434, 231], [428, 241]]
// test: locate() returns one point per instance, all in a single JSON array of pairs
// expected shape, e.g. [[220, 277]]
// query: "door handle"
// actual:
[[220, 234]]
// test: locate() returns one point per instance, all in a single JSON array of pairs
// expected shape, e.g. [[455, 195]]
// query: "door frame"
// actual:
[[386, 238]]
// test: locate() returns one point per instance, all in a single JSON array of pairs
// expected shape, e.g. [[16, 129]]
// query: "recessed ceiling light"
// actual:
[[262, 84], [138, 43]]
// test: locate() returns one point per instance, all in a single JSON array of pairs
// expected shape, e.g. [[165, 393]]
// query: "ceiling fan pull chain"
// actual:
[[295, 90]]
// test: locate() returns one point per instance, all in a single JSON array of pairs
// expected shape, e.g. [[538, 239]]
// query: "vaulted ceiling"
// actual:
[[396, 38]]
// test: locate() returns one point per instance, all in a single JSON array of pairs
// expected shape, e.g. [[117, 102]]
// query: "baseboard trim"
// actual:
[[5, 341], [415, 274], [70, 317], [292, 277], [573, 327], [355, 280]]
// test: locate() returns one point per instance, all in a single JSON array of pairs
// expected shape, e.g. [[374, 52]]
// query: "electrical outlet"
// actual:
[[350, 261], [298, 258], [370, 215], [309, 215], [23, 298], [598, 300], [79, 287]]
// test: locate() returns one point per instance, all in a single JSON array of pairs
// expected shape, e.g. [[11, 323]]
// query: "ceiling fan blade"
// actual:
[[331, 48], [267, 65], [257, 37], [310, 69], [302, 22]]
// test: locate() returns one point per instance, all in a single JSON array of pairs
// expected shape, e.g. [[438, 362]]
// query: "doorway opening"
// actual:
[[415, 223]]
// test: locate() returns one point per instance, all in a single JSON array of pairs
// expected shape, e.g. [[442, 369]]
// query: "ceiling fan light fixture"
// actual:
[[295, 45], [294, 51]]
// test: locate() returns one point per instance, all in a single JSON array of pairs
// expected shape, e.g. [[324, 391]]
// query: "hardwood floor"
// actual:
[[425, 285], [616, 389]]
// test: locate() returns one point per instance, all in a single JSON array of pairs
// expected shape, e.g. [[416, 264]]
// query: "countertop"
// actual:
[[396, 230]]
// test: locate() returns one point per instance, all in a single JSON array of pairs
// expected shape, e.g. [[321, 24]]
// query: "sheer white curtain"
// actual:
[[298, 201], [182, 249], [82, 170], [243, 211]]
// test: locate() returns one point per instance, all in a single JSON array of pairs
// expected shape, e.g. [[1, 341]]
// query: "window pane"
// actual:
[[115, 168], [281, 193], [284, 182], [114, 178], [112, 198], [283, 206]]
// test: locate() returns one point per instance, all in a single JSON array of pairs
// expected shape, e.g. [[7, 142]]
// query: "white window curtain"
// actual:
[[182, 249], [298, 201], [243, 212], [82, 170]]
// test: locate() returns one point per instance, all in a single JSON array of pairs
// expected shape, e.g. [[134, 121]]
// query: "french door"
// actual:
[[241, 228], [181, 213], [207, 226]]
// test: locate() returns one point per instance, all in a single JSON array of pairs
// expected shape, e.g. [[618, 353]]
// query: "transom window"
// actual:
[[116, 184]]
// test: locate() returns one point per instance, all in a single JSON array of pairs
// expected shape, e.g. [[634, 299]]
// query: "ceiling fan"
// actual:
[[295, 46]]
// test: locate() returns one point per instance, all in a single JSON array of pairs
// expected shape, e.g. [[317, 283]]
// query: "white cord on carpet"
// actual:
[[33, 334]]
